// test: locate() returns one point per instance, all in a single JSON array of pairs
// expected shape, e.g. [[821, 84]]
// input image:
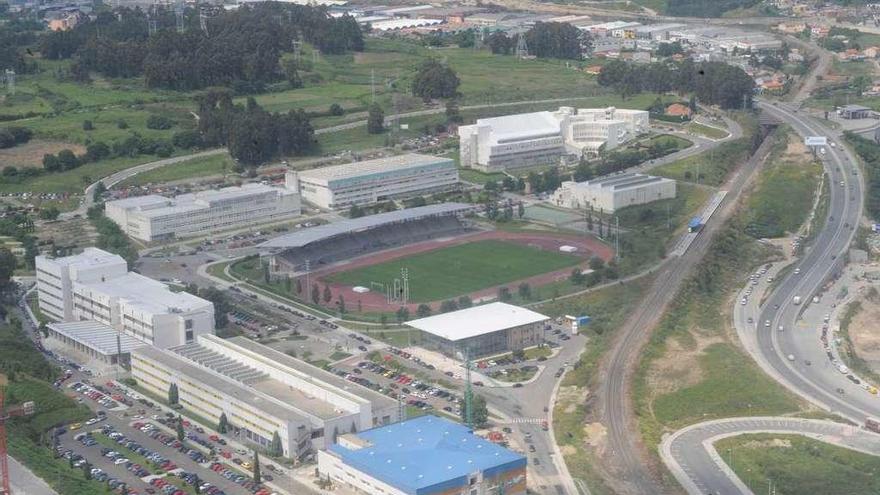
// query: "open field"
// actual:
[[452, 271], [189, 169], [705, 130], [31, 153], [798, 465]]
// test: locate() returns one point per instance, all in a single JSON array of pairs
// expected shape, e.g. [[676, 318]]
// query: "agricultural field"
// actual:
[[797, 464], [461, 269]]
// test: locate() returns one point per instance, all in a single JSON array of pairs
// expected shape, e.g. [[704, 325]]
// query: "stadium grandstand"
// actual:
[[332, 242]]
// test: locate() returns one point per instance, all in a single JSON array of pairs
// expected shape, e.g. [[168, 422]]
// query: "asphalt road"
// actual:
[[700, 469], [625, 455]]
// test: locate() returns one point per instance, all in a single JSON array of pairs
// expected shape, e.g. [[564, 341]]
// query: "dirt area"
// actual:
[[679, 367], [595, 436], [31, 154], [570, 397], [795, 150], [865, 333], [73, 232]]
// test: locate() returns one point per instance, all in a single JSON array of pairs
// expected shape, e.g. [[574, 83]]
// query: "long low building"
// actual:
[[91, 342], [609, 194], [369, 181], [96, 285], [157, 218], [262, 392], [480, 331], [427, 455], [511, 142]]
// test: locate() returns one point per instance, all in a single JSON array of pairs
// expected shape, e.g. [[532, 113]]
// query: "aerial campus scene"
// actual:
[[403, 247]]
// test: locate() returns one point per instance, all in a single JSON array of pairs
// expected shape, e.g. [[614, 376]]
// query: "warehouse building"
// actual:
[[96, 285], [511, 142], [480, 331], [262, 392], [157, 218], [91, 343], [609, 194], [370, 181], [427, 455]]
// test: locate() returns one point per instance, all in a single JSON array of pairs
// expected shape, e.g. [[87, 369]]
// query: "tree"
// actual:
[[316, 294], [556, 40], [336, 110], [402, 314], [423, 310], [453, 116], [291, 72], [499, 43], [299, 286], [480, 411], [87, 470], [223, 424], [596, 263], [173, 395], [435, 80], [448, 305], [179, 428], [50, 163], [67, 160], [328, 295], [503, 294], [341, 304], [276, 448], [525, 290], [49, 213], [520, 210], [355, 211], [375, 119], [87, 125], [465, 302], [159, 122], [577, 277], [257, 477]]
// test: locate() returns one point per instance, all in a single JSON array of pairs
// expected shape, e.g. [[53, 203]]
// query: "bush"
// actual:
[[187, 139], [13, 136], [88, 125], [336, 110], [159, 122]]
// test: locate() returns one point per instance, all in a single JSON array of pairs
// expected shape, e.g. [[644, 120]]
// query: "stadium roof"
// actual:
[[427, 454], [97, 336], [307, 236], [478, 320]]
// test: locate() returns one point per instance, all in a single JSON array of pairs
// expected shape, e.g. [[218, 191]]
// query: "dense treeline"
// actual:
[[869, 151], [15, 35], [713, 83], [111, 238], [545, 40], [13, 136], [706, 8], [251, 134], [241, 48]]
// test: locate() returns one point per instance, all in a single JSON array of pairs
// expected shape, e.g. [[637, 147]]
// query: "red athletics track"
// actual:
[[375, 301]]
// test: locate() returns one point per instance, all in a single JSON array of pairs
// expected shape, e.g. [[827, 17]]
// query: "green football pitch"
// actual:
[[461, 269]]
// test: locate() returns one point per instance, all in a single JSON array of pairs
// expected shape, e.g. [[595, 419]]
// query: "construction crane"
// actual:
[[25, 409]]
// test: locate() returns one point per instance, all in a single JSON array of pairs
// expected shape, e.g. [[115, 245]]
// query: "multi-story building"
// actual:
[[370, 181], [427, 455], [96, 285], [611, 193], [511, 142], [262, 392], [153, 217]]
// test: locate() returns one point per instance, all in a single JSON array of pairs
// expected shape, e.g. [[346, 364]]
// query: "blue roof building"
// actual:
[[427, 455]]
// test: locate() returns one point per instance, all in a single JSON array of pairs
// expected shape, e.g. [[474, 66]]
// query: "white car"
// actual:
[[791, 357], [767, 323], [121, 460]]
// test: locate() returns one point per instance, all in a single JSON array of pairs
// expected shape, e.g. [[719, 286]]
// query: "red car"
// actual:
[[214, 438]]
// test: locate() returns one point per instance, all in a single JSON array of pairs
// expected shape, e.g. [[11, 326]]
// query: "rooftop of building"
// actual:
[[369, 167], [625, 181], [147, 294], [521, 126], [259, 402], [307, 236], [90, 257], [94, 335], [427, 452], [477, 320], [153, 205], [856, 108]]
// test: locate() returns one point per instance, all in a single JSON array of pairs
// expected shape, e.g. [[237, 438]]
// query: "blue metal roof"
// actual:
[[427, 455]]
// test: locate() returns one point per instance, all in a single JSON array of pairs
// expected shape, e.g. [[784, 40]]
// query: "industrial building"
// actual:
[[96, 285], [262, 392], [854, 112], [608, 194], [370, 181], [518, 141], [480, 331], [427, 455], [157, 218], [91, 343]]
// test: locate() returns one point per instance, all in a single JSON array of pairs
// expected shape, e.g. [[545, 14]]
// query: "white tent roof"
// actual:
[[478, 320]]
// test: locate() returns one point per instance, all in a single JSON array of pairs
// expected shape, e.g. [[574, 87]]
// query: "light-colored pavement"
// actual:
[[690, 455]]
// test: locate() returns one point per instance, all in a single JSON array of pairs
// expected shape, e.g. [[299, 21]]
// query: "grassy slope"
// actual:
[[461, 269], [189, 169], [798, 465]]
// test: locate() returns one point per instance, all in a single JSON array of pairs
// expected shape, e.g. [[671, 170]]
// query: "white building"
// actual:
[[484, 330], [96, 285], [97, 345], [370, 181], [611, 193], [262, 392], [152, 217], [510, 142]]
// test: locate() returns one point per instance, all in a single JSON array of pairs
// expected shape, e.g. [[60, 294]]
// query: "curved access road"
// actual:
[[691, 457]]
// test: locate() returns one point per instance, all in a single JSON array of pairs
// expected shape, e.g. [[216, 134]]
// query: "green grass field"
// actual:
[[705, 130], [462, 269], [189, 169], [798, 465]]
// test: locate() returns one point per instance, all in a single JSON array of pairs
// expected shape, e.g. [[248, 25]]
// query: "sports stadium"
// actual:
[[424, 255]]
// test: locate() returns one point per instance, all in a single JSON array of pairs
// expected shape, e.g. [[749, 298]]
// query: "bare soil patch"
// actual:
[[864, 332], [679, 367], [31, 153]]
